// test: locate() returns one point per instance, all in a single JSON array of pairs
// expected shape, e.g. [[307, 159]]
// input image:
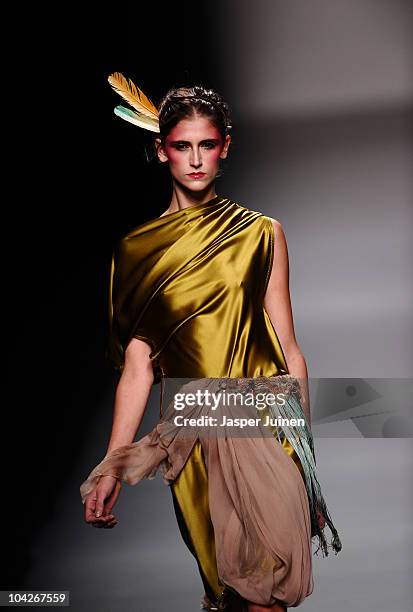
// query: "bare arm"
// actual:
[[277, 303], [130, 402], [132, 394]]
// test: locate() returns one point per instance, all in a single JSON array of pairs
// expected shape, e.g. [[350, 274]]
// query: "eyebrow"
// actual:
[[187, 141]]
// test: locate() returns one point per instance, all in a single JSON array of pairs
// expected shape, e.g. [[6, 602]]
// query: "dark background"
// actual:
[[82, 180]]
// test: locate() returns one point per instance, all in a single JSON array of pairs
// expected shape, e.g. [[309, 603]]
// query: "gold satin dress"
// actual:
[[191, 284]]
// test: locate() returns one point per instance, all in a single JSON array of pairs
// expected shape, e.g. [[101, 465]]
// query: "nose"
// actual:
[[195, 159]]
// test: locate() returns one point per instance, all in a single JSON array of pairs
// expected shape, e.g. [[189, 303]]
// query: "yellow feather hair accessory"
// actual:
[[145, 113]]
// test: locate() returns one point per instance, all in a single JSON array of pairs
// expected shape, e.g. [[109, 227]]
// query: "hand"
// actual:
[[100, 501]]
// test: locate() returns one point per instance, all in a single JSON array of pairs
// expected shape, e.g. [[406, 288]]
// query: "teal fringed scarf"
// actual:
[[301, 439]]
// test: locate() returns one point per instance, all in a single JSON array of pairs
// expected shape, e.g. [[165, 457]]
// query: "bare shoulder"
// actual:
[[280, 261], [278, 230]]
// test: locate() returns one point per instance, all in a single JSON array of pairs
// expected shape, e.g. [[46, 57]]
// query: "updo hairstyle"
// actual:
[[185, 102]]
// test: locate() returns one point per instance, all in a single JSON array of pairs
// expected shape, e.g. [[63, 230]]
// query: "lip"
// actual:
[[196, 175]]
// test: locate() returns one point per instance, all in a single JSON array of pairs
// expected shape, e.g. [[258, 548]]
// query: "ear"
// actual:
[[160, 151], [224, 151]]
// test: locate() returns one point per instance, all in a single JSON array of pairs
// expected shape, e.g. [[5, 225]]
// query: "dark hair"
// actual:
[[183, 102]]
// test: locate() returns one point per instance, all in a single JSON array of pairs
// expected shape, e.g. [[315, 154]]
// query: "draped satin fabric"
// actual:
[[191, 284]]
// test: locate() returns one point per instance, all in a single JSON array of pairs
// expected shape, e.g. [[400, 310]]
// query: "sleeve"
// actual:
[[124, 304], [114, 349]]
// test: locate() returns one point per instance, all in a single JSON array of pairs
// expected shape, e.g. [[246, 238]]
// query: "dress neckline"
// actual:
[[189, 208], [215, 201]]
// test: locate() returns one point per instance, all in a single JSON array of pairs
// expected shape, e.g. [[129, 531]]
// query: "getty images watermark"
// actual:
[[216, 400], [339, 407]]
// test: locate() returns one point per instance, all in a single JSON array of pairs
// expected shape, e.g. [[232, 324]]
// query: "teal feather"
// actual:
[[136, 118]]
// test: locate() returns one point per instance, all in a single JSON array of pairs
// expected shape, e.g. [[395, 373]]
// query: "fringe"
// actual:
[[301, 439]]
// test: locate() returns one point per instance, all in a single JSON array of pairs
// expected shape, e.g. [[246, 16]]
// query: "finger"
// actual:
[[111, 500], [99, 505], [102, 523], [105, 503], [107, 508], [105, 525], [101, 520], [104, 519], [90, 507], [90, 514]]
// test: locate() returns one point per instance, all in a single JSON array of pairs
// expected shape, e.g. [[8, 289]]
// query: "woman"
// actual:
[[198, 293]]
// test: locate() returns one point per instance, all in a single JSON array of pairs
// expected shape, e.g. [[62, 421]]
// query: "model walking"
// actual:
[[202, 293]]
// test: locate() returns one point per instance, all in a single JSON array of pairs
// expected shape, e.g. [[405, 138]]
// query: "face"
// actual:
[[193, 149]]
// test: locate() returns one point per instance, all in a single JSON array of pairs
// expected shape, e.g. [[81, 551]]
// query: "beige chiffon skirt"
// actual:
[[258, 500]]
